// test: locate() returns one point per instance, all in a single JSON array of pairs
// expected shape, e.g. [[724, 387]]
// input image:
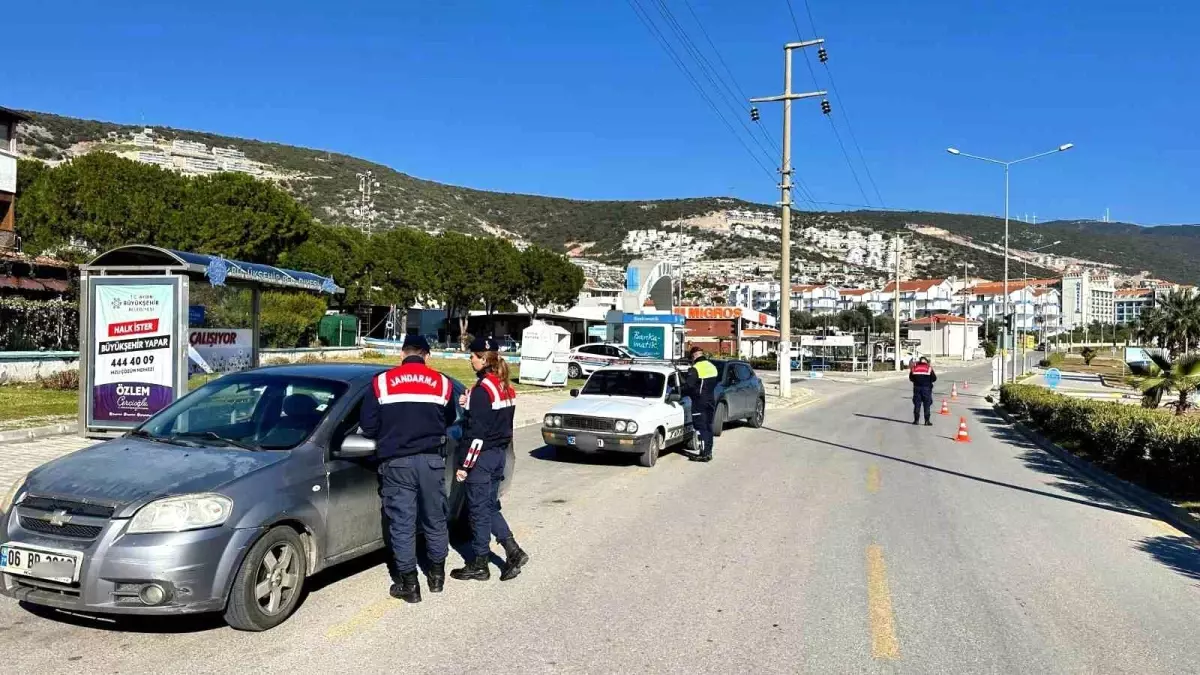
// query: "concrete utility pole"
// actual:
[[785, 236], [964, 328], [896, 307]]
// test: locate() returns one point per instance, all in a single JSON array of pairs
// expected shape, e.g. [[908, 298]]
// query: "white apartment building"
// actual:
[[155, 158], [1087, 297], [757, 295], [920, 297], [816, 299], [849, 298], [1034, 307]]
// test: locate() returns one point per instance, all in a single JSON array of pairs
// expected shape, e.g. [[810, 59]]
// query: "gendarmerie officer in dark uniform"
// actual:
[[922, 377], [490, 404], [407, 416], [698, 385]]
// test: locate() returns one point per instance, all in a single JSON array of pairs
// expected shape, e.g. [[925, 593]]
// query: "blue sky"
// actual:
[[577, 99]]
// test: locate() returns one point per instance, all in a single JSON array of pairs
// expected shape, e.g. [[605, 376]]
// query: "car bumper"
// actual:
[[595, 441], [195, 569]]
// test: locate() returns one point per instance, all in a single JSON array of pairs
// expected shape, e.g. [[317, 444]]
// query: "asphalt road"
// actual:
[[839, 539]]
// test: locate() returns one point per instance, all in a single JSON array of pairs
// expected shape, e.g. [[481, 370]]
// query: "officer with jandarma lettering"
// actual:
[[490, 405], [407, 417]]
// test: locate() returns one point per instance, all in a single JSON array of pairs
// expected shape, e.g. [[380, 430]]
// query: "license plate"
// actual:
[[40, 563], [570, 440], [599, 442]]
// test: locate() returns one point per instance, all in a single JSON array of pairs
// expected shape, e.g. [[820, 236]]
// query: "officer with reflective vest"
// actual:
[[407, 414], [699, 386], [490, 405], [922, 377]]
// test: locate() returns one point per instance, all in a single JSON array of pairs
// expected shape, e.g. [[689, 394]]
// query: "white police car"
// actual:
[[633, 409], [585, 359]]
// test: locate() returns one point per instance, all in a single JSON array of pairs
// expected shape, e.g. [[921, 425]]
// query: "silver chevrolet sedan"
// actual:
[[226, 501]]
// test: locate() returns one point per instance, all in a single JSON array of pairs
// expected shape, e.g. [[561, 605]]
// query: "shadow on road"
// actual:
[[196, 623], [1068, 480], [549, 453], [988, 481], [1180, 553], [884, 419]]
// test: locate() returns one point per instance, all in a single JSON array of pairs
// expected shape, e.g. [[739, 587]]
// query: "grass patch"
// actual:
[[19, 401]]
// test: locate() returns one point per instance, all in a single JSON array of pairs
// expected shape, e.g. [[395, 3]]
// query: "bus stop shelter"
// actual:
[[138, 334]]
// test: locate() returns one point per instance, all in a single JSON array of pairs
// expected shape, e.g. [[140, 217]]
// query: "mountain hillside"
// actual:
[[327, 183]]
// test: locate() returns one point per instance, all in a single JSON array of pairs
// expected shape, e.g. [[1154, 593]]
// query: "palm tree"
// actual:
[[1151, 327], [1162, 377], [1181, 310]]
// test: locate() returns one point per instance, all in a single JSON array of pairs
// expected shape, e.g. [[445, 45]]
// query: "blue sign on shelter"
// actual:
[[1053, 378]]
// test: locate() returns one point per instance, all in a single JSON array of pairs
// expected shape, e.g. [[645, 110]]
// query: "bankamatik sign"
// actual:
[[133, 366]]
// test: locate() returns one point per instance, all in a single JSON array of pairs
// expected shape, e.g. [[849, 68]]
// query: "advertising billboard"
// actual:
[[135, 337]]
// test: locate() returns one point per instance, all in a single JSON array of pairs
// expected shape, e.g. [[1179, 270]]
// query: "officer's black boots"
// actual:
[[408, 590], [928, 423], [437, 576], [475, 570], [514, 559]]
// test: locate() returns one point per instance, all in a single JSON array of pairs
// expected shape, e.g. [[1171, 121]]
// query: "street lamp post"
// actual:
[[1006, 165]]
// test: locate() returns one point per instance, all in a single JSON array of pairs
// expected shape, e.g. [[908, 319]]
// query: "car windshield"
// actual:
[[252, 411], [637, 383]]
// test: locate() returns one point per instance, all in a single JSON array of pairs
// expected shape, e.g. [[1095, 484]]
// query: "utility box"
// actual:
[[545, 353], [338, 330]]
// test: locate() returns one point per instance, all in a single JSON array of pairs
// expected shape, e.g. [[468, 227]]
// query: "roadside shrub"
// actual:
[[763, 363], [1153, 448], [311, 358], [63, 380], [989, 349], [38, 325], [372, 354]]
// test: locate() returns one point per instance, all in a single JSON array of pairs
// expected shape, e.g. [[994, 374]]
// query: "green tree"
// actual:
[[1088, 353], [804, 321], [407, 265], [1161, 377], [338, 252], [503, 278], [1181, 313], [549, 280], [457, 280], [290, 319]]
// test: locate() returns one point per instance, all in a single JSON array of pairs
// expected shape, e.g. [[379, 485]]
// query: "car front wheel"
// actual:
[[269, 584], [650, 456]]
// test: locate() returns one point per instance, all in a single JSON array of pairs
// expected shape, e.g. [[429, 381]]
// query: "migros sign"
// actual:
[[721, 313]]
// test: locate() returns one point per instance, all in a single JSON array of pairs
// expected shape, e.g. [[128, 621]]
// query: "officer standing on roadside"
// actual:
[[922, 376], [699, 385], [407, 416], [490, 405]]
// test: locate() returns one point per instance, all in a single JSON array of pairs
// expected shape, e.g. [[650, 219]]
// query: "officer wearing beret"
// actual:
[[407, 416], [490, 404]]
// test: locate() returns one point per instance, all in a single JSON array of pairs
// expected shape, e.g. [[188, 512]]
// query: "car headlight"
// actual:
[[620, 425], [631, 427], [558, 420], [548, 421], [179, 514], [10, 495]]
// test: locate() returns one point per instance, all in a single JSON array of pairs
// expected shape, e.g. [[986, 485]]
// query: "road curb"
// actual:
[[776, 403], [32, 433], [1156, 505]]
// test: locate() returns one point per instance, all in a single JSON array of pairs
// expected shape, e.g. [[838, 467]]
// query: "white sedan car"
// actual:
[[632, 409], [585, 359]]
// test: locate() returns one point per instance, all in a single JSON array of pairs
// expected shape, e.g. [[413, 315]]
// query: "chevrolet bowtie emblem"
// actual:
[[59, 518]]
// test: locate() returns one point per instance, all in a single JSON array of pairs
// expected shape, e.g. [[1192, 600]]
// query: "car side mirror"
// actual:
[[355, 447], [574, 393], [674, 398]]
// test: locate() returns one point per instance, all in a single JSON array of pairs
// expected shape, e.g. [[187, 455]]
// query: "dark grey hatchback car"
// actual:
[[226, 501]]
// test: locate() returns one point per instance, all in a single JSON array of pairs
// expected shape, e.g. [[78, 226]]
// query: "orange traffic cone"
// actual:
[[945, 408], [966, 386], [953, 392], [963, 436]]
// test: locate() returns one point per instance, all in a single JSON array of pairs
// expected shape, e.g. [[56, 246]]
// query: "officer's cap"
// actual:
[[482, 344], [416, 342]]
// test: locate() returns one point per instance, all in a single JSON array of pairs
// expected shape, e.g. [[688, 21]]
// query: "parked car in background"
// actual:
[[586, 359], [740, 395], [226, 501]]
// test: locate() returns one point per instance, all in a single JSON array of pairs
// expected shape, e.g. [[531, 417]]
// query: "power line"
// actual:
[[832, 125], [658, 36], [720, 86], [845, 115]]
